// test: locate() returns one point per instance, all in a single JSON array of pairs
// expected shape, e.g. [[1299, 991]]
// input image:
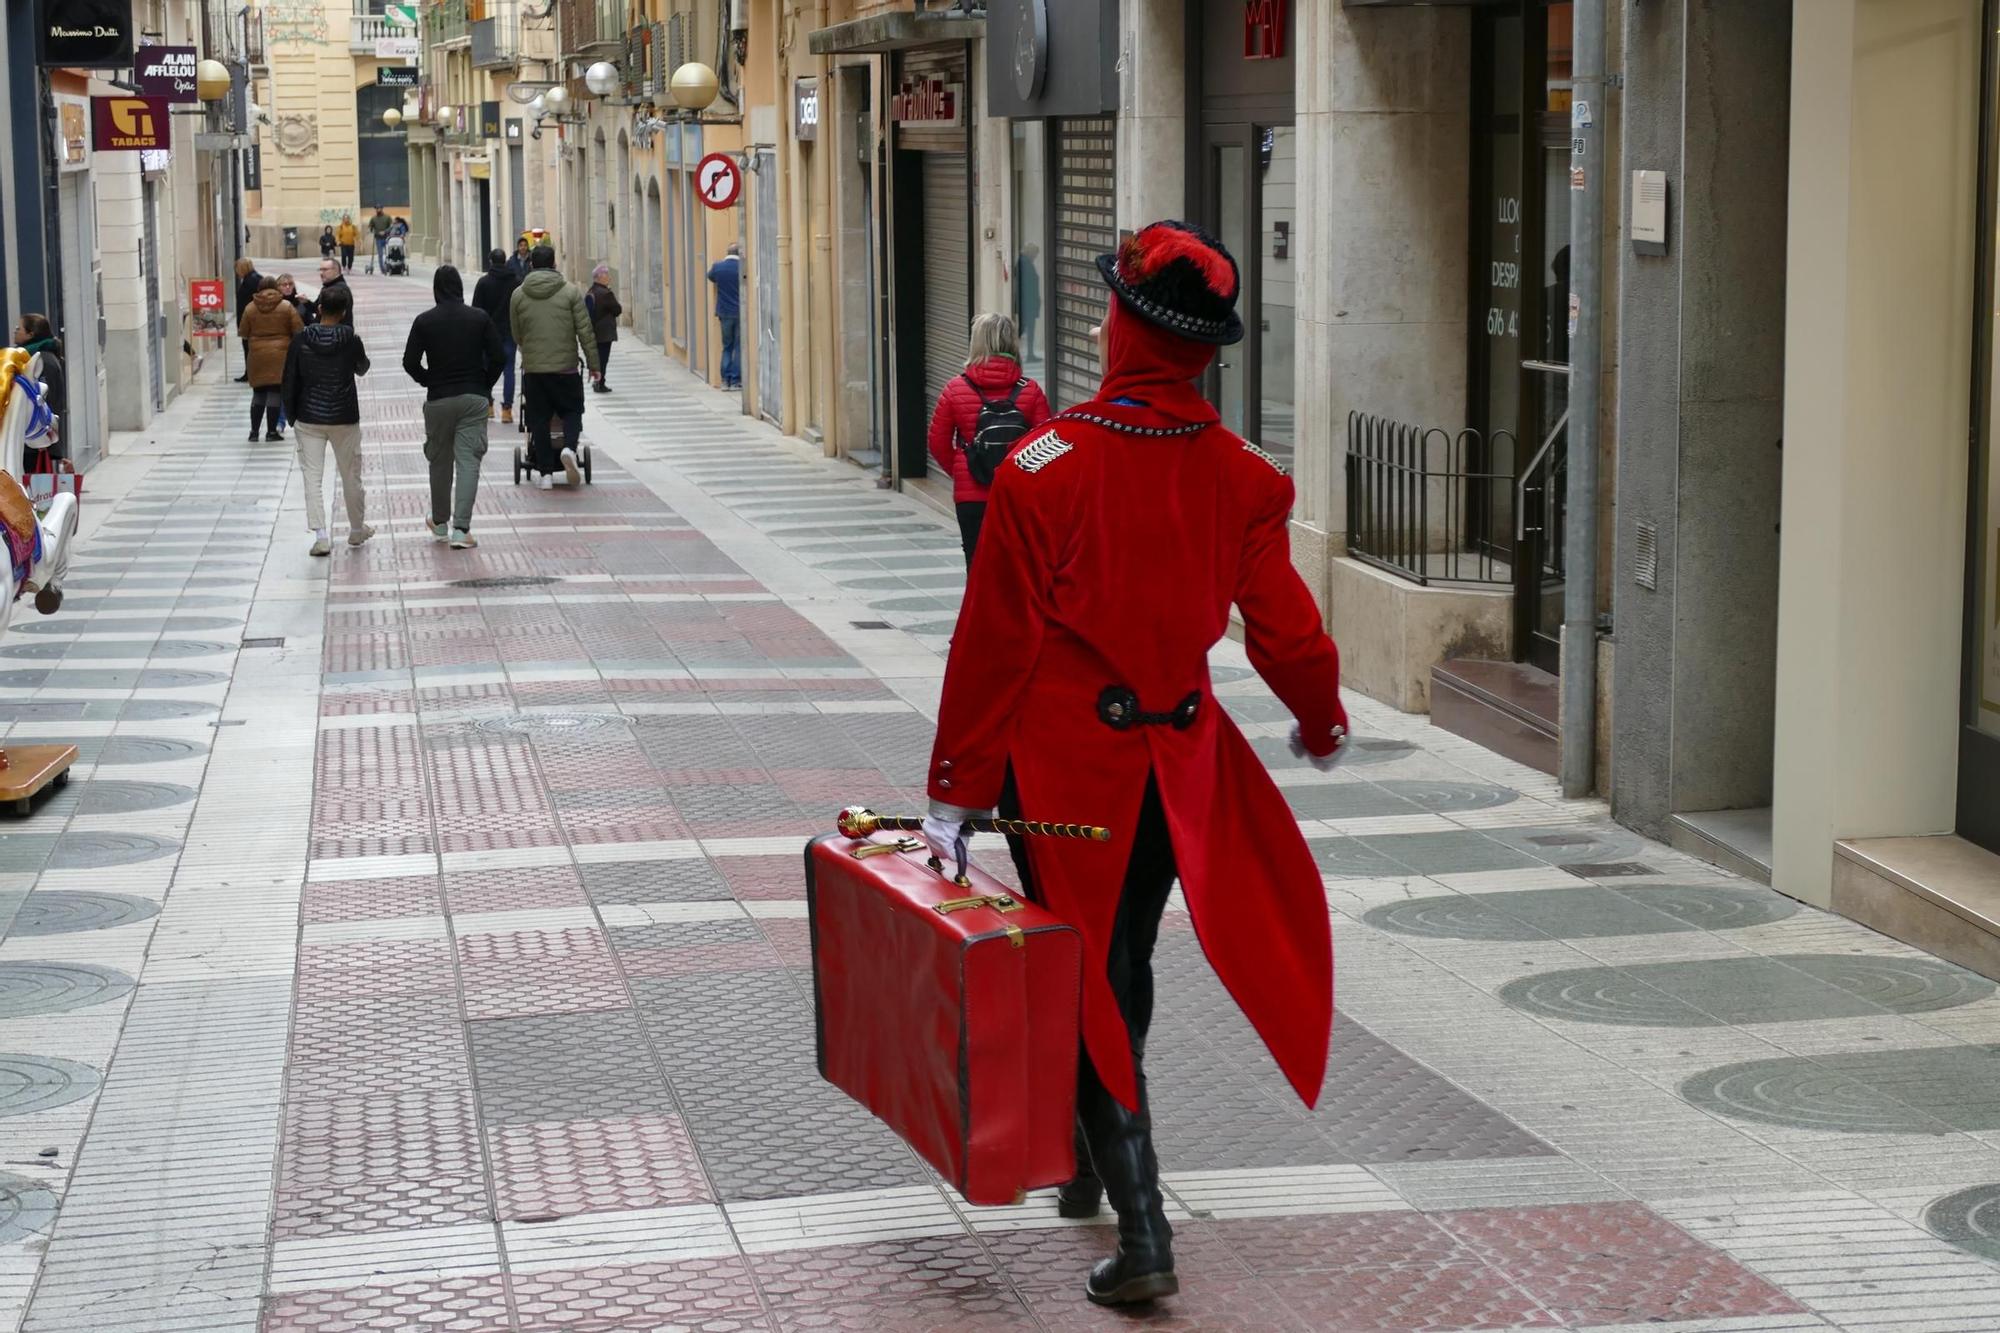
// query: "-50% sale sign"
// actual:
[[205, 299]]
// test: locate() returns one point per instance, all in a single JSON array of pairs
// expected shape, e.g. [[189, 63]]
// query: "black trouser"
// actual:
[[266, 398], [346, 257], [1142, 899], [971, 513], [603, 358], [544, 397]]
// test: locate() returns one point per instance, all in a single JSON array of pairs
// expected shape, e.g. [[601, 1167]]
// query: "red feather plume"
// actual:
[[1146, 252]]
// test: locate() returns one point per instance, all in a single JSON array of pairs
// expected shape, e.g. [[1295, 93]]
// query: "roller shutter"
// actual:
[[1086, 154]]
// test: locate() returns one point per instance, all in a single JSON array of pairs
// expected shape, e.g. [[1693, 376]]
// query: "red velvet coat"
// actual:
[[1115, 541]]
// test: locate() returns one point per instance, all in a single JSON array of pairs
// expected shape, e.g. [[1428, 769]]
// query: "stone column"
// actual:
[[1152, 111]]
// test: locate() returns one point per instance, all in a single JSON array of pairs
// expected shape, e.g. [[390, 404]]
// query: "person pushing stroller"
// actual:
[[552, 329]]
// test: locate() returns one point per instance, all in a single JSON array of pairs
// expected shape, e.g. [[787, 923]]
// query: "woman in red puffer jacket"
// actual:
[[992, 375]]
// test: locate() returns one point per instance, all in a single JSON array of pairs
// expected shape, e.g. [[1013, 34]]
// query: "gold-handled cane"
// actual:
[[859, 821]]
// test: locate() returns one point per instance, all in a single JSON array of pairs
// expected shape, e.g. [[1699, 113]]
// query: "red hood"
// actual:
[[995, 373]]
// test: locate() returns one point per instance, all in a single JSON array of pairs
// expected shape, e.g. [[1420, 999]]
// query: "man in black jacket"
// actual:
[[324, 409], [492, 293], [331, 278], [454, 352]]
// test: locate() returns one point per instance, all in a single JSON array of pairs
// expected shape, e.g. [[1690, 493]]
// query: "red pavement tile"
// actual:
[[991, 1311], [457, 1305], [561, 1168], [1613, 1263], [1409, 1298], [373, 967], [1342, 1242], [709, 1295], [755, 878], [1058, 1258], [370, 899], [404, 1136], [927, 1266], [352, 1206], [513, 890], [738, 957], [539, 972], [1214, 1305]]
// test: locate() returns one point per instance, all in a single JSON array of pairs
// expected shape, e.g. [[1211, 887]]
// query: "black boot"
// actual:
[[1121, 1148], [1083, 1194]]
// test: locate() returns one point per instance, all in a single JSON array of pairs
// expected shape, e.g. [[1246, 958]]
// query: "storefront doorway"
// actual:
[[1979, 738], [1243, 172], [1518, 342]]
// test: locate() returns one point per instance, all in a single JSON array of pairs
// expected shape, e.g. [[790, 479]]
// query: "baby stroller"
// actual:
[[396, 256]]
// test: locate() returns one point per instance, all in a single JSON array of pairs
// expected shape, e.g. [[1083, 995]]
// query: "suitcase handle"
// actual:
[[999, 902]]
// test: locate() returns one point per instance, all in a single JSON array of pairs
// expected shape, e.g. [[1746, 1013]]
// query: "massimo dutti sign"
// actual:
[[88, 34]]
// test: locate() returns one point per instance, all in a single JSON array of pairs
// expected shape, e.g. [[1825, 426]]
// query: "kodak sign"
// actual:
[[129, 124]]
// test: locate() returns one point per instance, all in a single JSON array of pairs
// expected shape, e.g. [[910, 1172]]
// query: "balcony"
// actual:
[[449, 23], [368, 25], [496, 39]]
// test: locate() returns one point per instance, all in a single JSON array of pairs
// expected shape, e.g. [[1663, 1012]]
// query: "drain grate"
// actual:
[[277, 642], [506, 581], [871, 624], [553, 724]]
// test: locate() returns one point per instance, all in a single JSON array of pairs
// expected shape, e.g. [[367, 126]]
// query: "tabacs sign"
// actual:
[[128, 124], [165, 71], [86, 34], [927, 102]]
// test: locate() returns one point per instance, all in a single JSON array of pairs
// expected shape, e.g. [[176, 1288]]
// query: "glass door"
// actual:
[[1230, 209], [1979, 738]]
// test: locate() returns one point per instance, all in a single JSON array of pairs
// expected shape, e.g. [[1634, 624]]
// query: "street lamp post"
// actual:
[[695, 87]]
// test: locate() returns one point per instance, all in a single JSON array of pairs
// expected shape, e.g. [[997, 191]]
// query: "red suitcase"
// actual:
[[948, 1011]]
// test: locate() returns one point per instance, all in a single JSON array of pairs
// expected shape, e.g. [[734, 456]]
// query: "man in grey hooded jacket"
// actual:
[[552, 328]]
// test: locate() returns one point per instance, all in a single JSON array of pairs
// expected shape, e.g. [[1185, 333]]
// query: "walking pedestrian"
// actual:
[[520, 262], [320, 397], [494, 293], [454, 352], [331, 278], [604, 313], [552, 328], [980, 416], [379, 227], [267, 329], [727, 275], [1077, 687], [346, 234], [327, 245], [248, 282], [34, 335]]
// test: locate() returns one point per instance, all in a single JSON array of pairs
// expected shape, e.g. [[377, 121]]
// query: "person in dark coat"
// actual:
[[267, 328], [327, 245], [493, 293], [521, 260], [320, 398], [1117, 540], [454, 352], [604, 313], [992, 374], [248, 283], [36, 336], [331, 278]]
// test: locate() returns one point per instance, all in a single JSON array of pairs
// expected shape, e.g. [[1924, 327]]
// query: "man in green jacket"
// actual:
[[553, 332]]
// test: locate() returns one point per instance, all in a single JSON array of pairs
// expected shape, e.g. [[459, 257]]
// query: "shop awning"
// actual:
[[893, 32]]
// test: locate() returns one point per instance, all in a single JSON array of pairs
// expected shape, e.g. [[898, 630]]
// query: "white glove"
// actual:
[[946, 833], [1325, 763]]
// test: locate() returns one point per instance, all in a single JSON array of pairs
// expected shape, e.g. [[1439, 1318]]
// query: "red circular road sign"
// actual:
[[718, 180]]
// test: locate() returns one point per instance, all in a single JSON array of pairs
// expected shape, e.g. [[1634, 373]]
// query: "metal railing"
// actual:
[[496, 39], [367, 25], [1427, 504]]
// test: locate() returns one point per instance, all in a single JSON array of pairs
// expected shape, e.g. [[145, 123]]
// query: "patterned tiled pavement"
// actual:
[[421, 946]]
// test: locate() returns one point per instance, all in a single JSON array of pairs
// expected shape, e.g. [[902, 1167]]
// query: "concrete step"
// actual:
[[1940, 893], [1737, 840], [1508, 707]]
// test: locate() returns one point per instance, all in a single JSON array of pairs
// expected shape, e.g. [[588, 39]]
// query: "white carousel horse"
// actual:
[[38, 547]]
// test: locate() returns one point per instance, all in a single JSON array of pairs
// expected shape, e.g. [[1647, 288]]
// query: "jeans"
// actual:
[[971, 513], [454, 444], [732, 355], [313, 440], [381, 244], [507, 372], [548, 395]]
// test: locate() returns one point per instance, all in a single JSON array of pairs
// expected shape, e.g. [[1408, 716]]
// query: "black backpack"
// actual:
[[1000, 426]]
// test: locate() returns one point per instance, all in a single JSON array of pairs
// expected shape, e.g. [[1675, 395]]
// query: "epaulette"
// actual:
[[1039, 454], [1276, 466]]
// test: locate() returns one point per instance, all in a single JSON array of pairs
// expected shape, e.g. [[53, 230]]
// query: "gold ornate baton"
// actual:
[[858, 822]]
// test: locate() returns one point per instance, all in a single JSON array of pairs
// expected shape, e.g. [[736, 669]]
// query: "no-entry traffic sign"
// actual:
[[718, 180]]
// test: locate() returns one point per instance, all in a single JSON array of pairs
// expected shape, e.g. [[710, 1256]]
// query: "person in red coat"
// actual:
[[992, 375], [1116, 540]]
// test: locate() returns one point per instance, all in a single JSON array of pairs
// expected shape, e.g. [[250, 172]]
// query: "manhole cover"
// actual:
[[62, 911], [102, 648], [129, 624], [147, 750], [506, 581], [1726, 992], [29, 988], [552, 724], [1969, 1219], [31, 1083], [93, 851], [27, 1208], [111, 796]]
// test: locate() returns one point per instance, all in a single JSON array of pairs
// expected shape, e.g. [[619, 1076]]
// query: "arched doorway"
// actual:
[[655, 273], [623, 237]]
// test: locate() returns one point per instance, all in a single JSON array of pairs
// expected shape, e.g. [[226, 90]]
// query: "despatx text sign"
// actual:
[[129, 124]]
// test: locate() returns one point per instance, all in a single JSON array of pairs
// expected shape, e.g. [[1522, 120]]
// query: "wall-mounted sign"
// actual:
[[72, 135], [1263, 29], [489, 120], [1031, 49], [718, 180], [927, 101], [397, 76], [253, 167], [129, 124], [205, 298], [400, 16], [397, 48], [165, 71], [89, 34], [513, 125], [1052, 57], [805, 108]]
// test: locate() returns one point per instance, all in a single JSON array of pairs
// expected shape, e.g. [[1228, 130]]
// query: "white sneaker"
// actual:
[[544, 482], [461, 540], [440, 532], [571, 472], [356, 536]]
